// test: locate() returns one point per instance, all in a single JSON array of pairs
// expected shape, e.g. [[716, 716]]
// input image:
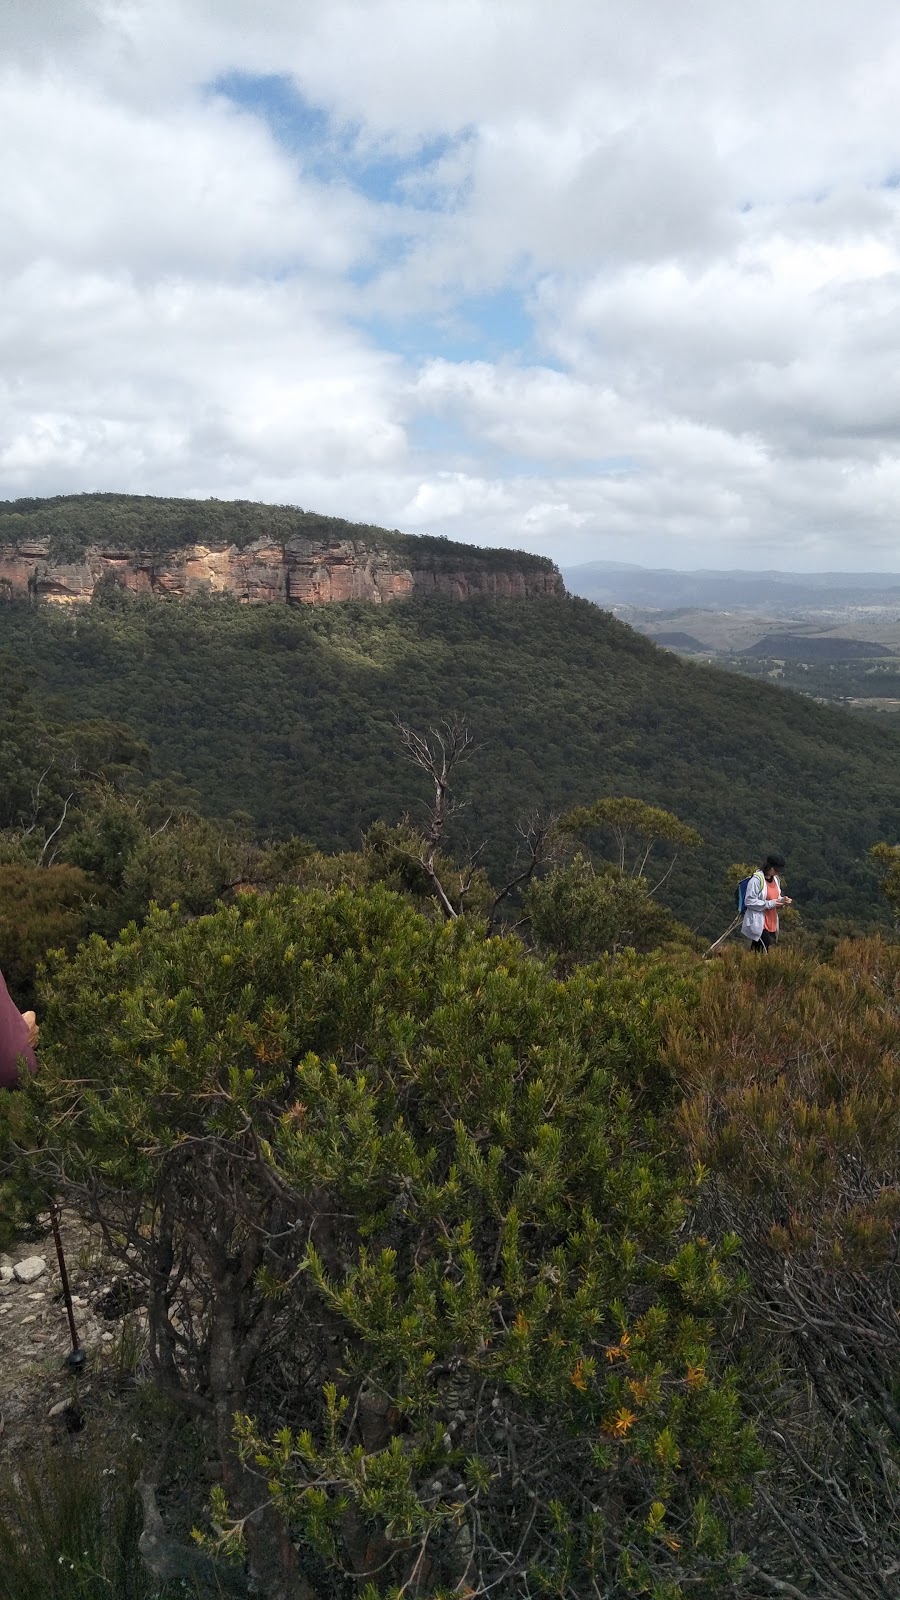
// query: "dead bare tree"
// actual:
[[437, 754]]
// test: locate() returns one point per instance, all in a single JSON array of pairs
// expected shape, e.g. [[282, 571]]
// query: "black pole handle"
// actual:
[[76, 1358]]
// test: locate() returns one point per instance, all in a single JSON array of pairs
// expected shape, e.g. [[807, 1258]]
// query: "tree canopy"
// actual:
[[286, 715]]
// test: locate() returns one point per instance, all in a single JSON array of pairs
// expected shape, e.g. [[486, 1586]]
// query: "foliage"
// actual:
[[286, 714], [434, 1258], [869, 686], [791, 1072], [41, 909], [468, 1268], [887, 860], [579, 913], [48, 764], [633, 825], [193, 862], [69, 1529]]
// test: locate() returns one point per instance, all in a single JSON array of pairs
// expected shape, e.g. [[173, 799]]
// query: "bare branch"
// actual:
[[50, 837], [535, 836], [437, 755], [36, 800]]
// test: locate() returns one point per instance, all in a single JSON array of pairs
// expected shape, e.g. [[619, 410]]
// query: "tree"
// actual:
[[886, 858], [191, 861], [403, 1227], [635, 827], [580, 911], [466, 888]]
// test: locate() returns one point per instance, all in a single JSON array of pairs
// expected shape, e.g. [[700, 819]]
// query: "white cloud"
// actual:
[[184, 386], [695, 205]]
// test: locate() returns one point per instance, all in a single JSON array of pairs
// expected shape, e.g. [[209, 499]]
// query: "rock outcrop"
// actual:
[[294, 571]]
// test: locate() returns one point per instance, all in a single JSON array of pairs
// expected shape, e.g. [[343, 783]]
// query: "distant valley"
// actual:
[[833, 635]]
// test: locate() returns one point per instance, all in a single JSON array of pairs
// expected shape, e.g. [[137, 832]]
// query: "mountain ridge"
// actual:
[[61, 549]]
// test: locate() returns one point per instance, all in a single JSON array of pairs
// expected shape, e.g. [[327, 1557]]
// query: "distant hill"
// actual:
[[610, 584], [161, 524], [800, 647], [678, 641]]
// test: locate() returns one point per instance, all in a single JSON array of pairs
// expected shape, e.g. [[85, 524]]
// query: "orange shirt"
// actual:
[[770, 921]]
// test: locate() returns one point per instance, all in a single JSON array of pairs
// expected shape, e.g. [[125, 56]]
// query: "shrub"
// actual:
[[791, 1070], [411, 1254], [580, 914], [41, 909]]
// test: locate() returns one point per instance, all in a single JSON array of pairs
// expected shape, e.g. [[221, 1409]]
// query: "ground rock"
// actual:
[[29, 1270]]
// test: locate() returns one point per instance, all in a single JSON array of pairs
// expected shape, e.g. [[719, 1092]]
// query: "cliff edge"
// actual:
[[60, 550]]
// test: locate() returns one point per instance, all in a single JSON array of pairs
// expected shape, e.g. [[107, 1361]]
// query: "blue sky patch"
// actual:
[[477, 328], [483, 327], [335, 152]]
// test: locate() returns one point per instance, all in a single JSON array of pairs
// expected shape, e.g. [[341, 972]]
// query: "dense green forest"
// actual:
[[286, 716]]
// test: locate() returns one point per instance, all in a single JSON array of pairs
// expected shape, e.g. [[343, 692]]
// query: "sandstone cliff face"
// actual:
[[298, 572]]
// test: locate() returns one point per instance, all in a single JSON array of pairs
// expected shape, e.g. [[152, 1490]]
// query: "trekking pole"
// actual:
[[77, 1357], [724, 936]]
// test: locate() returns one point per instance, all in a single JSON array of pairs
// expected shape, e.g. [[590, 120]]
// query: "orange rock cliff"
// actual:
[[296, 570]]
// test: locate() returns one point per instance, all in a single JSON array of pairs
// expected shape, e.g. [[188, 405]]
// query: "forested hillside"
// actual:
[[287, 716], [415, 1187]]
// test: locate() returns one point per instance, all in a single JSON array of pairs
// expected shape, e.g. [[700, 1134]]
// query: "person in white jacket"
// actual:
[[762, 902]]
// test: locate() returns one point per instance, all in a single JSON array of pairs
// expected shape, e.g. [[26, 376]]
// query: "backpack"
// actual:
[[742, 892]]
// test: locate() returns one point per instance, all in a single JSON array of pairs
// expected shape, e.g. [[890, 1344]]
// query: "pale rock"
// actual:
[[29, 1270], [295, 571]]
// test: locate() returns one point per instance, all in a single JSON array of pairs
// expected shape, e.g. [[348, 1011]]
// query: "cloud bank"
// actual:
[[607, 281]]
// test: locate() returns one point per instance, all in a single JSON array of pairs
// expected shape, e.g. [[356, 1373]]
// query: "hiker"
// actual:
[[18, 1037], [762, 898]]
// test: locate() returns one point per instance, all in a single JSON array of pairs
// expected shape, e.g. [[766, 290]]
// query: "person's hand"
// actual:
[[31, 1023], [786, 900]]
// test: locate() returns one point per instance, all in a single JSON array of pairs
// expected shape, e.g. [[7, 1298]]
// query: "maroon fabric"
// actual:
[[13, 1041]]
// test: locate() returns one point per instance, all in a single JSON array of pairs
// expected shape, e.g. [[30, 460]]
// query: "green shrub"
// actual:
[[442, 1282]]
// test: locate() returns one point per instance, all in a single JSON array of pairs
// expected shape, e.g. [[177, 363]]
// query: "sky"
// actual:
[[609, 281]]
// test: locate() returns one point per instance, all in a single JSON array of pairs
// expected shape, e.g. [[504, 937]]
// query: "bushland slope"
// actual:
[[287, 714]]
